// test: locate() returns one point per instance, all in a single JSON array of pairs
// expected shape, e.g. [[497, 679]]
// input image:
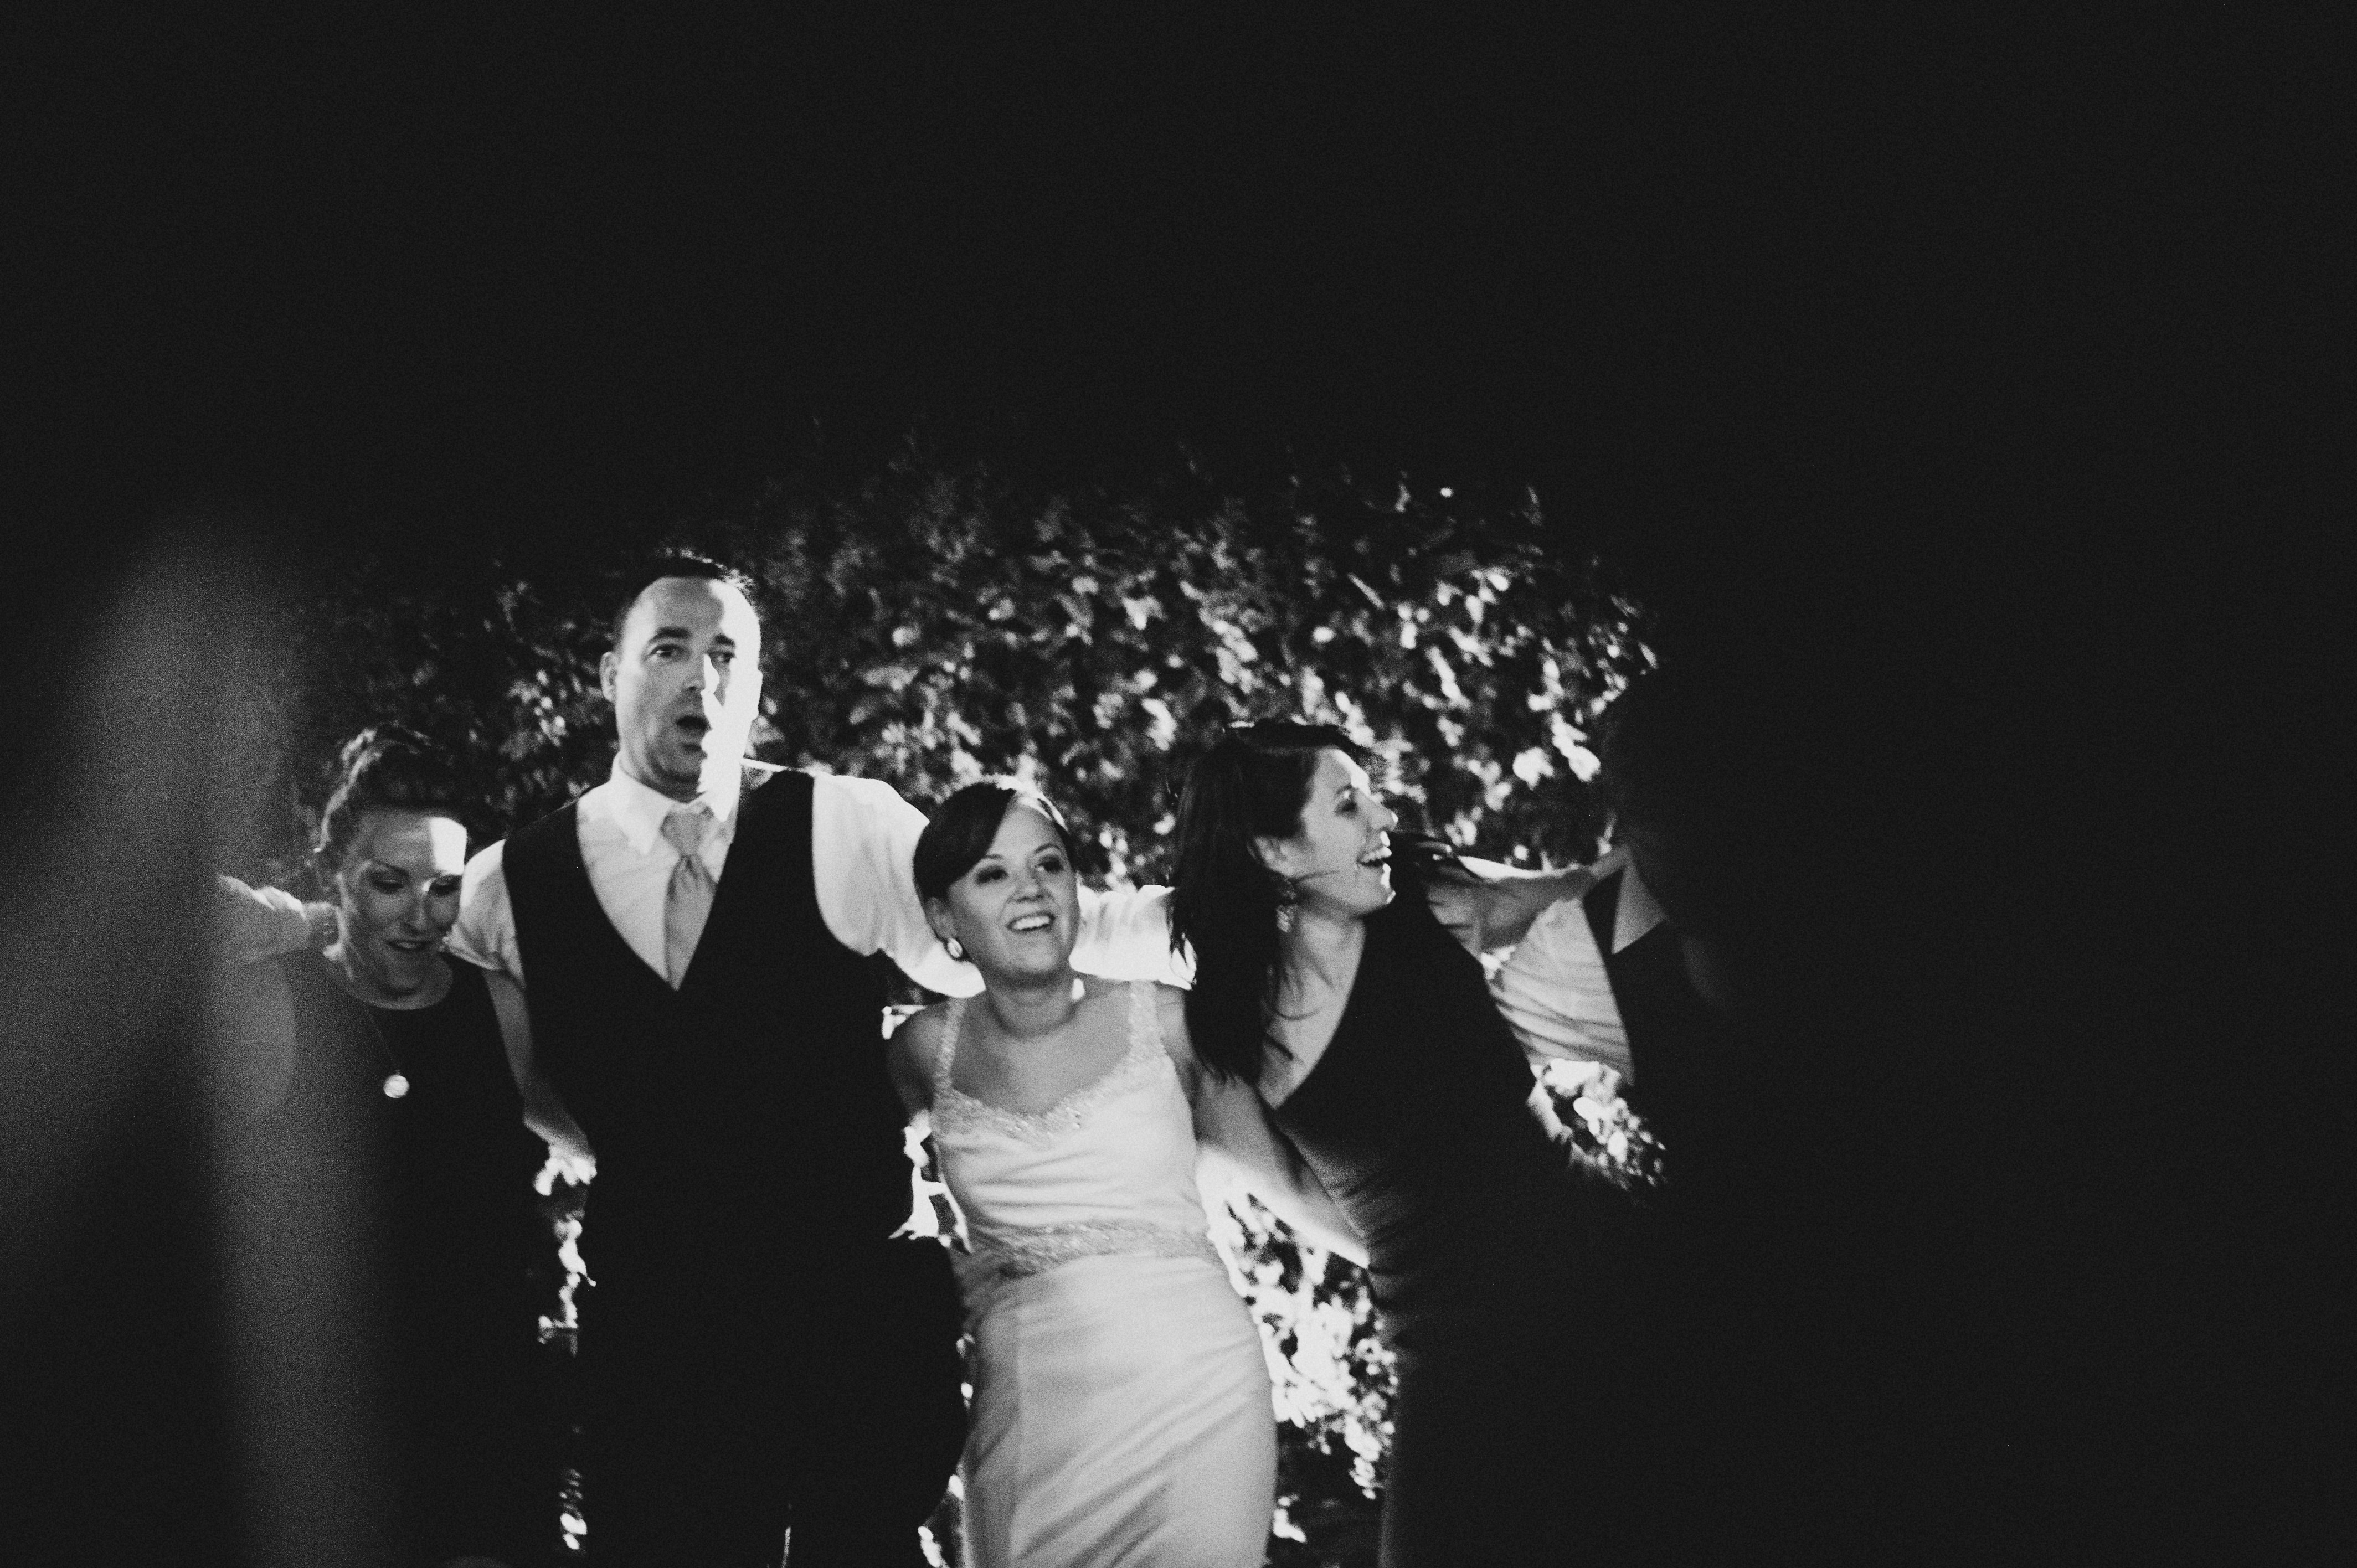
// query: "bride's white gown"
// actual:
[[1121, 1404]]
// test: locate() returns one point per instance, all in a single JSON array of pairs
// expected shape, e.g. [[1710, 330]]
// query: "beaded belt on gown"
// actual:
[[1020, 1254]]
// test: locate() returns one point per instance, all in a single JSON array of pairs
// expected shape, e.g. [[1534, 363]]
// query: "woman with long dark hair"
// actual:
[[383, 1219], [1497, 1255], [1120, 1401]]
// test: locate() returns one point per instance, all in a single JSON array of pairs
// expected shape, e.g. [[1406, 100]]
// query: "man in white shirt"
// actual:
[[688, 728], [694, 957], [1631, 974], [1553, 988]]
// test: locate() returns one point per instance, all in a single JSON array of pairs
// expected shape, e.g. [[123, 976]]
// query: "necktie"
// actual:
[[688, 900]]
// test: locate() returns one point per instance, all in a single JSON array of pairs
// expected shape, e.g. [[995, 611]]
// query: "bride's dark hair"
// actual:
[[1252, 783], [963, 827]]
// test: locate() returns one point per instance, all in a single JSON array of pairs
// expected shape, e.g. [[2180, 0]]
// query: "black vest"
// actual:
[[747, 1115], [1685, 1064]]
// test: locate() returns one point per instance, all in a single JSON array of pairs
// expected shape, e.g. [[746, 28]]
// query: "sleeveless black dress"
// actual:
[[1501, 1270], [438, 1216]]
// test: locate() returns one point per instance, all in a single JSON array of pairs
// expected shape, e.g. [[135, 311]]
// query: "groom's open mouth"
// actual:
[[693, 728]]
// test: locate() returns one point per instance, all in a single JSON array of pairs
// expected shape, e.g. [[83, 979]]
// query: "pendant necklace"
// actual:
[[396, 1082]]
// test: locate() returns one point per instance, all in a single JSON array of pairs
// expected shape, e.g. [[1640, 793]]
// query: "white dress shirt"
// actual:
[[1553, 988], [863, 848], [253, 925]]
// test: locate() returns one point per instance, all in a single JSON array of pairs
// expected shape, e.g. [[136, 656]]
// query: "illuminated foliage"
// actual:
[[936, 623]]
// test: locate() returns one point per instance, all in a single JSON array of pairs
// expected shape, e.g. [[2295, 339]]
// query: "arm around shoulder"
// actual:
[[485, 934], [1492, 904], [863, 859], [1125, 935], [254, 925]]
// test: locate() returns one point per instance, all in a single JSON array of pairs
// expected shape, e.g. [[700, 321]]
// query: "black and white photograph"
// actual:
[[1014, 786]]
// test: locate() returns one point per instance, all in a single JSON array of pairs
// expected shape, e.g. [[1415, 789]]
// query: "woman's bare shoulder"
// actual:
[[1107, 998], [921, 1030], [915, 1046]]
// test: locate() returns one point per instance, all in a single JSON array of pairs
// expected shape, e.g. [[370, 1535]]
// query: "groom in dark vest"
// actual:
[[759, 1354]]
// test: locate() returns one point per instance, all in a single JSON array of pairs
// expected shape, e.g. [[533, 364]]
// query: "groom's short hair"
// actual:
[[676, 564]]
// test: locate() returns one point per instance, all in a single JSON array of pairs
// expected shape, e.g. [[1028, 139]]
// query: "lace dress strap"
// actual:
[[955, 1109], [1144, 1023]]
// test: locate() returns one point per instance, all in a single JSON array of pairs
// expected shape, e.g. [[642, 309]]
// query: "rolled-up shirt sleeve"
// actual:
[[1553, 991], [253, 925], [1125, 935], [485, 934]]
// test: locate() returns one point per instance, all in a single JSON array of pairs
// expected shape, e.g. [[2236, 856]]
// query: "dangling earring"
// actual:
[[1284, 918], [955, 950]]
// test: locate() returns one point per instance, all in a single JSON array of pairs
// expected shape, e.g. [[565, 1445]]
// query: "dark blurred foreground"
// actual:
[[120, 1441]]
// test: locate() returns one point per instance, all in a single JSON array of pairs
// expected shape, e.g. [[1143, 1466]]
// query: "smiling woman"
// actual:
[[1120, 1401], [1369, 1032], [394, 871], [381, 1214], [997, 860]]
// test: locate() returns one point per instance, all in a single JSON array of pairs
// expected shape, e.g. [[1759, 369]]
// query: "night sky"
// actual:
[[1724, 291]]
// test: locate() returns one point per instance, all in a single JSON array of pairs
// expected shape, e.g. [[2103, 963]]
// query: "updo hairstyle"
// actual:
[[384, 768]]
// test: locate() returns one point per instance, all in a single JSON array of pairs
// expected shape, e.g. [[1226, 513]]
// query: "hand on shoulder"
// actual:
[[1491, 904]]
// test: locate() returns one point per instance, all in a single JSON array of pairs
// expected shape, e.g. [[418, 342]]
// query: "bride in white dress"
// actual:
[[1120, 1401]]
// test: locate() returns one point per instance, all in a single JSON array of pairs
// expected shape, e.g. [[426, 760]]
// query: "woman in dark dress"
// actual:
[[1498, 1258], [382, 1175]]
